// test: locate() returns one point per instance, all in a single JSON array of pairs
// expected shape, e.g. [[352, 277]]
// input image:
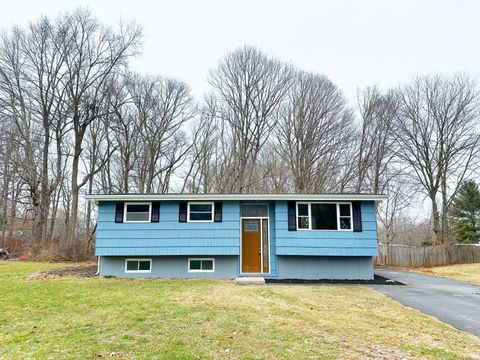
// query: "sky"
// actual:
[[354, 43]]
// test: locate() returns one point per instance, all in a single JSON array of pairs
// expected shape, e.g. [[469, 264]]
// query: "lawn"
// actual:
[[190, 319], [464, 272]]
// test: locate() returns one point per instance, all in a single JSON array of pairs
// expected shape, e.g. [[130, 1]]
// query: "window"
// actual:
[[303, 214], [250, 225], [138, 265], [201, 265], [200, 212], [324, 216], [137, 212], [345, 217], [254, 210]]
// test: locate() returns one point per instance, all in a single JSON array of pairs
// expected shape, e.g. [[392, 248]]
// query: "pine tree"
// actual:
[[465, 213]]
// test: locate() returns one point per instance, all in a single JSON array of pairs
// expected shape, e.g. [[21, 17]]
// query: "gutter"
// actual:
[[236, 197]]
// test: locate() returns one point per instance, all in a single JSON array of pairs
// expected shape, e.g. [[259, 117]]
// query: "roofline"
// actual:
[[224, 197]]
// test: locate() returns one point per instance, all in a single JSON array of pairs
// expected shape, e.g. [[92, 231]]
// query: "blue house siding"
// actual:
[[168, 236], [313, 253], [325, 242]]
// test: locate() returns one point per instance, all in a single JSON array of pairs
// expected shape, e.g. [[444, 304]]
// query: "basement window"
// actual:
[[138, 265], [201, 265]]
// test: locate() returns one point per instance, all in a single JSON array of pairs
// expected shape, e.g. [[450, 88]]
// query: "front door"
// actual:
[[251, 246], [255, 246]]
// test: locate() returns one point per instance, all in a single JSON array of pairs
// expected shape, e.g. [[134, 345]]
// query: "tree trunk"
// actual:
[[72, 223], [436, 221]]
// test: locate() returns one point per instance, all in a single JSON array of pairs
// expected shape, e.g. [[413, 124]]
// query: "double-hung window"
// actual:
[[324, 216], [137, 212], [200, 212]]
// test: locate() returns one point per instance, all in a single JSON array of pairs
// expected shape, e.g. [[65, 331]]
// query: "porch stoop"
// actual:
[[250, 280]]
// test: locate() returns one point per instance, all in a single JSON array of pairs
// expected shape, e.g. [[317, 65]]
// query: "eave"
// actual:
[[236, 197]]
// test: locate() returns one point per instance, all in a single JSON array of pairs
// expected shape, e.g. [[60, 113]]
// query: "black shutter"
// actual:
[[182, 212], [292, 216], [119, 212], [218, 212], [155, 212], [357, 216]]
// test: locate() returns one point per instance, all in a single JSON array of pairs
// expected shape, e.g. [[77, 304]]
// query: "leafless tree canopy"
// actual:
[[438, 139], [74, 119], [313, 133]]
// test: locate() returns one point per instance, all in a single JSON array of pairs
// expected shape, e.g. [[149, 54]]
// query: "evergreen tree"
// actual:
[[465, 213]]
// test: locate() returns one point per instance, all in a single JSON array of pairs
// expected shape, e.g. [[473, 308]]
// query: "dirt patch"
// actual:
[[83, 271]]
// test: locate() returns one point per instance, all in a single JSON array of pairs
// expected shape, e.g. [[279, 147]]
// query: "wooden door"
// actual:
[[251, 246]]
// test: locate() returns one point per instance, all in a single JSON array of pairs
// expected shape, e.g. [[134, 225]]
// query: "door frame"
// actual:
[[261, 239]]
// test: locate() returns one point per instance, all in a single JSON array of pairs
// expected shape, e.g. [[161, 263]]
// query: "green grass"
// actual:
[[463, 272], [191, 319]]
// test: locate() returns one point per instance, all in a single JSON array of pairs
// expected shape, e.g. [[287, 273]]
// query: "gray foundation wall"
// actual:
[[170, 267], [226, 267], [325, 267]]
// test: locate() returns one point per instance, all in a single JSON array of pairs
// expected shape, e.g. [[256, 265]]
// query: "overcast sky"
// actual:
[[355, 43]]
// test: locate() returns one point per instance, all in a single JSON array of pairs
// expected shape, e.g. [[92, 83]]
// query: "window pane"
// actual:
[[201, 216], [265, 245], [324, 216], [200, 207], [195, 265], [345, 223], [254, 210], [144, 265], [303, 222], [344, 210], [302, 209], [137, 216], [251, 225], [132, 265], [141, 208], [207, 264]]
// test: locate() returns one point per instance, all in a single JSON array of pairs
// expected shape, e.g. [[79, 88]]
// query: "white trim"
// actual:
[[225, 197], [201, 203], [340, 216], [138, 271], [137, 203], [201, 259], [337, 206]]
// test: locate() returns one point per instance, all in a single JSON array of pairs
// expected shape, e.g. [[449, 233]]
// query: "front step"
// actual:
[[250, 280]]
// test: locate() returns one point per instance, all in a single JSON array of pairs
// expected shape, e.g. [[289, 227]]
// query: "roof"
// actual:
[[224, 197]]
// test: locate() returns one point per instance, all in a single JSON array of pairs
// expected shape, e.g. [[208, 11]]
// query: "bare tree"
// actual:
[[199, 177], [375, 145], [400, 196], [162, 106], [248, 89], [31, 71], [95, 52], [437, 137], [315, 127]]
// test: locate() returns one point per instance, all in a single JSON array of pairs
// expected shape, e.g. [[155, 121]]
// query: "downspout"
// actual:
[[98, 265]]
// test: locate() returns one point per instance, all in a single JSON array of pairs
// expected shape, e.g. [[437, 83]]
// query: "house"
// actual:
[[282, 236]]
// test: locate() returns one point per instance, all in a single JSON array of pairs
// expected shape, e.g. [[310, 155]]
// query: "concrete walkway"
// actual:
[[453, 302]]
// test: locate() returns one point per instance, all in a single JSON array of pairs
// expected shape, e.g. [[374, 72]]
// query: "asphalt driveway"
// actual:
[[453, 302]]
